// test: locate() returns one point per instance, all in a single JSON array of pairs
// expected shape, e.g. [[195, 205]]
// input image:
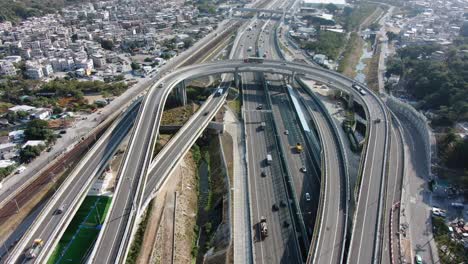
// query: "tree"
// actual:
[[331, 8], [347, 11], [188, 42], [28, 153], [107, 44], [57, 110], [37, 130], [148, 59], [391, 36], [135, 66], [464, 29], [374, 26]]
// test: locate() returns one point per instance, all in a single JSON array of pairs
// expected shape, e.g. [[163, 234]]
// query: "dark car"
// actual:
[[275, 207], [63, 132], [206, 113], [263, 174]]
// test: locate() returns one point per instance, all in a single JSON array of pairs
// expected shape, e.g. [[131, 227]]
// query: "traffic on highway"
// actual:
[[300, 206]]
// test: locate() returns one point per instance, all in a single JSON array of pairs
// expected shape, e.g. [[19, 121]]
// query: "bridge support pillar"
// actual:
[[236, 79], [181, 93], [291, 78]]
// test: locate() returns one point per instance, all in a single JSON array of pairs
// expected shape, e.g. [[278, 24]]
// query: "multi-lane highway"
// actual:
[[366, 232], [134, 190], [276, 66], [330, 242], [330, 237]]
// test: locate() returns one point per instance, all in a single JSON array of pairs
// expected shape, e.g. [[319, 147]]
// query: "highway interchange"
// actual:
[[140, 176]]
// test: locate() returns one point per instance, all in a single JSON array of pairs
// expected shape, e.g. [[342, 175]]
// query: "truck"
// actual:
[[263, 227], [299, 147], [269, 159], [36, 247]]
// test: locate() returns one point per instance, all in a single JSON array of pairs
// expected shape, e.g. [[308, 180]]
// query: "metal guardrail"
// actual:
[[342, 153]]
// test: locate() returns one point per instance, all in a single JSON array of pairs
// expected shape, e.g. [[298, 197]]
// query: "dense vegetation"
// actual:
[[453, 151], [328, 43], [352, 18], [54, 93], [21, 9], [455, 253], [439, 85]]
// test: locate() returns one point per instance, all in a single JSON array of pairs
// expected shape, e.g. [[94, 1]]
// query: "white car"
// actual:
[[307, 196], [438, 212]]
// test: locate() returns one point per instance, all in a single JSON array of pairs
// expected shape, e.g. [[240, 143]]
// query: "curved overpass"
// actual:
[[129, 193]]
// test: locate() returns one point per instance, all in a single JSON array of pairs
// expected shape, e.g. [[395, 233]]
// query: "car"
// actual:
[[206, 113], [20, 169], [418, 259], [260, 107], [438, 212], [282, 203], [63, 132], [376, 121], [263, 174], [286, 224], [275, 207], [286, 132], [60, 209], [307, 197], [303, 169]]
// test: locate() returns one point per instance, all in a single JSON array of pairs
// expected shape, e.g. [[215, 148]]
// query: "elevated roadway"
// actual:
[[376, 143], [328, 242], [119, 227]]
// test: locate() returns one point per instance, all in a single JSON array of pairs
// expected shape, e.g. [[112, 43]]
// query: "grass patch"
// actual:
[[358, 16], [351, 55], [328, 43], [178, 115], [235, 106], [372, 71], [138, 240], [82, 232], [4, 107]]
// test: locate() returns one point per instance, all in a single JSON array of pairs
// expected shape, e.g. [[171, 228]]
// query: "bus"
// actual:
[[254, 60]]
